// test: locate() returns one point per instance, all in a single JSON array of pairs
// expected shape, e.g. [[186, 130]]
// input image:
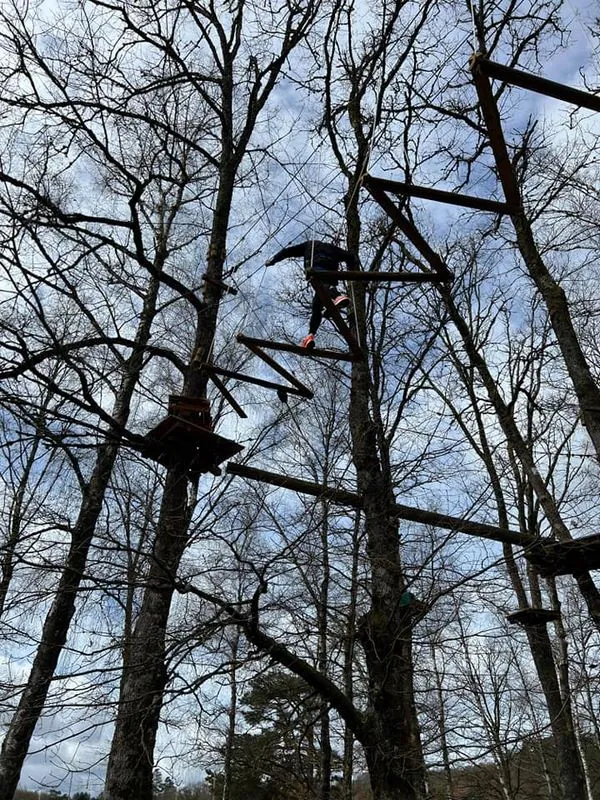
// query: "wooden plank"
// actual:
[[491, 117], [411, 233], [354, 500], [211, 369], [316, 352], [277, 367], [526, 80], [336, 317], [438, 195], [481, 529], [368, 277], [229, 397]]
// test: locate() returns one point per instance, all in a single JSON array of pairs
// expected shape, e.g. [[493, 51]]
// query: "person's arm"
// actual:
[[295, 251]]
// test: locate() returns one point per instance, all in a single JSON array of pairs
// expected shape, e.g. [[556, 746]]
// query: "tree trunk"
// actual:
[[394, 754], [58, 620]]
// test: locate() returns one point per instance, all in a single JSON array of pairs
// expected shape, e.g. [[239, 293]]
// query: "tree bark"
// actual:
[[58, 620]]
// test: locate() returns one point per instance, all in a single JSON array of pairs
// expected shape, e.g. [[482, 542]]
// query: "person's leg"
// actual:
[[316, 315]]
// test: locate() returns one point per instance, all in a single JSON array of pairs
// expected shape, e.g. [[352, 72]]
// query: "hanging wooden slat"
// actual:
[[211, 369], [411, 233], [373, 277], [336, 317], [337, 355], [526, 80], [491, 117], [438, 195]]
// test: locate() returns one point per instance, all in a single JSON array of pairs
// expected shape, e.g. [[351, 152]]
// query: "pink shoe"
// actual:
[[308, 342], [341, 301]]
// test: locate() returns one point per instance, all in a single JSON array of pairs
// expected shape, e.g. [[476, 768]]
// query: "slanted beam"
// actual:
[[229, 397], [211, 369], [438, 195], [336, 317], [285, 347], [254, 348], [491, 117], [368, 277], [340, 496], [411, 233], [354, 500], [526, 80]]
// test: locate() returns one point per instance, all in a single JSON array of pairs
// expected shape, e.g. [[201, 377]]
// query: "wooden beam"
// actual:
[[277, 367], [491, 117], [368, 277], [411, 233], [354, 500], [439, 196], [229, 397], [336, 317], [316, 352], [536, 84], [461, 525], [211, 369], [340, 496]]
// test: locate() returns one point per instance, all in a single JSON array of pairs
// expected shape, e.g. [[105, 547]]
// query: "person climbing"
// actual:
[[319, 256]]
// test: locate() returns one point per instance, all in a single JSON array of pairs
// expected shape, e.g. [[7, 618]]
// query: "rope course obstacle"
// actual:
[[550, 557], [186, 434]]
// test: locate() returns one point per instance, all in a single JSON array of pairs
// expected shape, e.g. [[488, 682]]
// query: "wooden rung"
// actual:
[[336, 317], [352, 275], [240, 376], [220, 284], [533, 616], [229, 397], [534, 83], [452, 198], [316, 352]]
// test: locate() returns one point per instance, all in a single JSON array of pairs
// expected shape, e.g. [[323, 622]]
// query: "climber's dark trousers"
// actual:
[[316, 316]]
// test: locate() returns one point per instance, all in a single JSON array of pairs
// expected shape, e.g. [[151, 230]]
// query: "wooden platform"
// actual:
[[176, 440], [565, 558], [533, 616]]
